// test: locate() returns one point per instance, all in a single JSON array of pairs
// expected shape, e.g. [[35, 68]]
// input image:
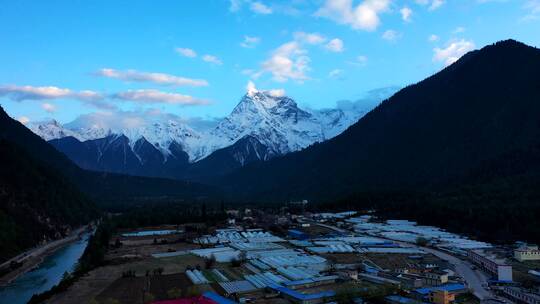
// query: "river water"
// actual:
[[46, 275]]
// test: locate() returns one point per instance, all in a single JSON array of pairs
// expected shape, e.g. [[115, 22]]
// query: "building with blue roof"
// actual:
[[217, 298], [297, 234], [424, 293], [455, 288], [302, 298], [395, 299]]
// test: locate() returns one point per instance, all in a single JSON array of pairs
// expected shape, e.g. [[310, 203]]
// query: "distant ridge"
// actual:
[[263, 124]]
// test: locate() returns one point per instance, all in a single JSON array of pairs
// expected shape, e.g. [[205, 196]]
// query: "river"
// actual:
[[46, 275]]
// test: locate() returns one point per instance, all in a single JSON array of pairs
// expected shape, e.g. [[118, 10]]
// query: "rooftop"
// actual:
[[447, 287], [302, 296], [194, 300], [400, 299], [217, 298]]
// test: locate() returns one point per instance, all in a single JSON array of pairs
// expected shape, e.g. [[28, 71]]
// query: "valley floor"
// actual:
[[107, 282], [336, 256]]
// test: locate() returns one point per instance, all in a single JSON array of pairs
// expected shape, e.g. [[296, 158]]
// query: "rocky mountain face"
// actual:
[[264, 124]]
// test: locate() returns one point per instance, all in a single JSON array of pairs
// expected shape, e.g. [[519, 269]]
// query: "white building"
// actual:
[[497, 267], [527, 253]]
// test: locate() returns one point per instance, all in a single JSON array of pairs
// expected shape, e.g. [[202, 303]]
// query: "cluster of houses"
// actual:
[[296, 266], [302, 266]]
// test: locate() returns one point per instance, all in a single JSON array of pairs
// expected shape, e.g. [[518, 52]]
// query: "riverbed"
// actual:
[[46, 275]]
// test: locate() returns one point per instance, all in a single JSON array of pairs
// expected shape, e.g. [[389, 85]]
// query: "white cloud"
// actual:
[[335, 45], [250, 42], [264, 7], [361, 60], [406, 14], [290, 61], [335, 73], [260, 8], [88, 95], [533, 10], [119, 120], [234, 5], [453, 51], [391, 35], [186, 52], [368, 100], [432, 4], [257, 7], [155, 96], [48, 107], [157, 78], [435, 4], [459, 29], [212, 59], [20, 93], [365, 16], [248, 72], [277, 92], [23, 119], [252, 89], [287, 62], [208, 58], [309, 38], [433, 38]]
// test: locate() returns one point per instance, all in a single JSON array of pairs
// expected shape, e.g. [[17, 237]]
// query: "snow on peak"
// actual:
[[251, 89], [267, 98], [269, 116], [276, 92], [51, 129]]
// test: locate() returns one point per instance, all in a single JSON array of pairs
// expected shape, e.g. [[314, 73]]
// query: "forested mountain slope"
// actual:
[[106, 188], [484, 106], [36, 203]]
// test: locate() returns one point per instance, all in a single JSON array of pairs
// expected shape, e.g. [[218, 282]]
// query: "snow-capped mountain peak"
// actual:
[[272, 118], [52, 129], [262, 100], [267, 116]]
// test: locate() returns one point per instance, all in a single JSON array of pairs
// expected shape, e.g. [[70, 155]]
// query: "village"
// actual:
[[307, 258]]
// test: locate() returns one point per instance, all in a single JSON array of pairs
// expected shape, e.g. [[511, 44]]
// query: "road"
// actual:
[[44, 248], [476, 280], [34, 256]]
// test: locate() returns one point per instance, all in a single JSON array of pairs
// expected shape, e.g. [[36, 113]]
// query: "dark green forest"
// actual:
[[36, 203]]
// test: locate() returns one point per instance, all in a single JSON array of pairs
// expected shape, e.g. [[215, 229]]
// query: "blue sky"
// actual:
[[62, 59]]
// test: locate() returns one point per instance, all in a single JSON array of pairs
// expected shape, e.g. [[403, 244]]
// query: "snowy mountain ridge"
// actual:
[[270, 117]]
